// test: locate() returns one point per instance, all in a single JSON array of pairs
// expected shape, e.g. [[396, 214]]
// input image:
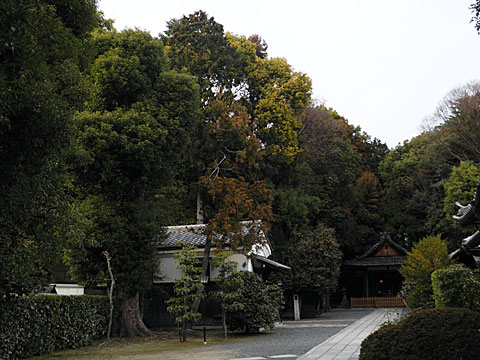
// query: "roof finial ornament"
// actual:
[[467, 214]]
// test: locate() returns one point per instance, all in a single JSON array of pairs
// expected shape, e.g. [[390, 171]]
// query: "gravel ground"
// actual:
[[292, 337]]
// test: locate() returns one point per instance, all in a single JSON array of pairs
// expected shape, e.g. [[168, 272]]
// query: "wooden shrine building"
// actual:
[[375, 274]]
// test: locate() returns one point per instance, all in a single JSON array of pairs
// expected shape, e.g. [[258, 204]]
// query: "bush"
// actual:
[[261, 304], [428, 255], [437, 334], [456, 286], [34, 325]]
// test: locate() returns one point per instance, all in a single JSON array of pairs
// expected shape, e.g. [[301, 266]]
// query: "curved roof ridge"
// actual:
[[384, 237]]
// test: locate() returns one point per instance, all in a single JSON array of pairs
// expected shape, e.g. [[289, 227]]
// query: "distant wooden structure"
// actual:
[[376, 302], [372, 279]]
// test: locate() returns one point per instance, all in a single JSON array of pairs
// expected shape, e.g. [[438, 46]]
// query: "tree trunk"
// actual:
[[182, 328], [110, 293], [131, 321], [182, 332]]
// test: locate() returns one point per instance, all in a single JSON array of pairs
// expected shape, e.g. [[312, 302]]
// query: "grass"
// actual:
[[121, 347]]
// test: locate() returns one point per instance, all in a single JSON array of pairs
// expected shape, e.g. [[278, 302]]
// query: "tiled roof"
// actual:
[[369, 258], [384, 237], [187, 237], [192, 235]]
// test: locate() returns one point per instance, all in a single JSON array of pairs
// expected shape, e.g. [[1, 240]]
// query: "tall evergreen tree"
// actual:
[[42, 56], [131, 144]]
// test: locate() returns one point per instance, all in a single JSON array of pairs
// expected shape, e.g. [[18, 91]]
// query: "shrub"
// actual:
[[456, 286], [261, 304], [34, 325], [437, 334], [428, 255]]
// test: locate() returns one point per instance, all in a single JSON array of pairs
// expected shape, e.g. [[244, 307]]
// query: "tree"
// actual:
[[19, 273], [229, 284], [228, 159], [456, 120], [251, 107], [366, 197], [413, 176], [276, 96], [197, 43], [332, 164], [331, 181], [374, 153], [315, 263], [426, 256], [475, 7], [185, 289], [463, 124], [237, 206], [132, 142], [283, 96], [43, 54]]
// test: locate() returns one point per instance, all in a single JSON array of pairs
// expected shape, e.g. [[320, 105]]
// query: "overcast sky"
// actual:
[[383, 64]]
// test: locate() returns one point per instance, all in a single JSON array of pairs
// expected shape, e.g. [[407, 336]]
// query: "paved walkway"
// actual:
[[345, 345]]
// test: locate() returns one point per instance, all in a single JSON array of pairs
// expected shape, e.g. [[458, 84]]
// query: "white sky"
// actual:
[[383, 64]]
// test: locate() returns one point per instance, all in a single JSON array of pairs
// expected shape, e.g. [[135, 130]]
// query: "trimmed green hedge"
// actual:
[[34, 325], [456, 286], [433, 334]]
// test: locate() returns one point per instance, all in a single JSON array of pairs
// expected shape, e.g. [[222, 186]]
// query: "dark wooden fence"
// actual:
[[377, 302]]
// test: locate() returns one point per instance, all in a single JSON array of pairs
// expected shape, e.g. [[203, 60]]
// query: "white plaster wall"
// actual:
[[168, 271], [240, 259], [69, 289]]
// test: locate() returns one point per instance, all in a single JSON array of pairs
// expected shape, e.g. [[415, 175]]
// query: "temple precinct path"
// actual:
[[345, 345]]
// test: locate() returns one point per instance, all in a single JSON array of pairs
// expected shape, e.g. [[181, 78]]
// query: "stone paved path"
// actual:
[[345, 345]]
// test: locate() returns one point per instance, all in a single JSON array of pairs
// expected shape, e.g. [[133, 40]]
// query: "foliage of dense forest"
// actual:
[[106, 136]]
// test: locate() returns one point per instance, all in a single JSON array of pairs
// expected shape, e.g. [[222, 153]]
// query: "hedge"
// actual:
[[456, 286], [432, 334], [34, 325]]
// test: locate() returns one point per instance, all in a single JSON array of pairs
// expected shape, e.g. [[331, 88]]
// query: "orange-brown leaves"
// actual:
[[239, 205], [234, 202]]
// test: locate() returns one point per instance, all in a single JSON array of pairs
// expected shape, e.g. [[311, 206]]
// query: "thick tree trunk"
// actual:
[[131, 322]]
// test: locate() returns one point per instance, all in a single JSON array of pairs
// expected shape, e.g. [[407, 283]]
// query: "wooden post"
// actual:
[[296, 306]]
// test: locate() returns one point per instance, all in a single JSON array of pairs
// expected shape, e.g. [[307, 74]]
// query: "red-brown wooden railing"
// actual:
[[376, 302]]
